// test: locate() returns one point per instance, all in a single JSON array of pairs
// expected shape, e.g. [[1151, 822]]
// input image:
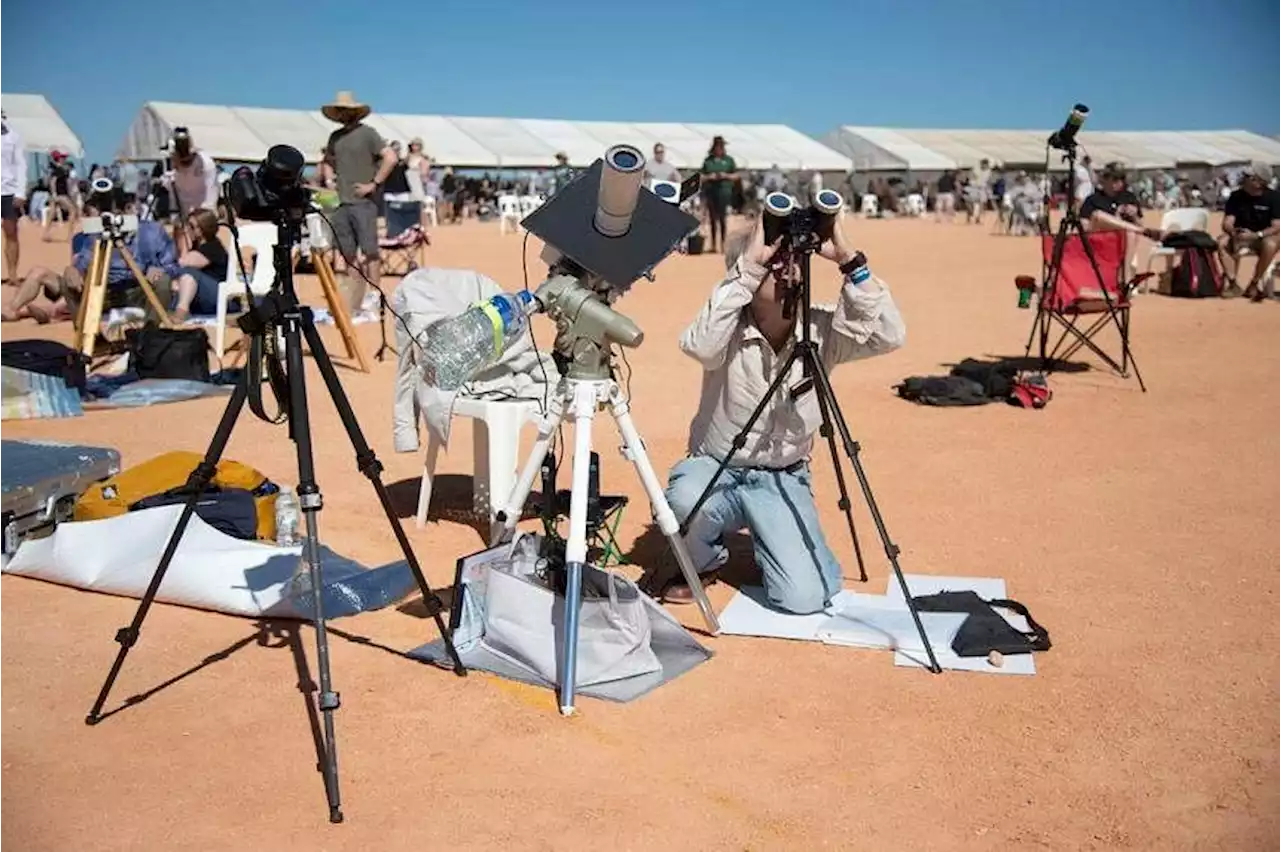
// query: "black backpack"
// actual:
[[169, 353], [1197, 273], [47, 357], [942, 391]]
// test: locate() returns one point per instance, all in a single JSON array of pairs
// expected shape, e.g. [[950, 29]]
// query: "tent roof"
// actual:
[[879, 148], [883, 149], [245, 133], [39, 124]]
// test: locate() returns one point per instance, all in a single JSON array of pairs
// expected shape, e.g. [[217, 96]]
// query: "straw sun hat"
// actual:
[[345, 108]]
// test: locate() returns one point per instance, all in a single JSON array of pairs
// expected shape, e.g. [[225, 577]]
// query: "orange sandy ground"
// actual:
[[1139, 528]]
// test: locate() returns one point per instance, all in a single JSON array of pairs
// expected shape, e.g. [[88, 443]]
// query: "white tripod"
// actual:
[[584, 397]]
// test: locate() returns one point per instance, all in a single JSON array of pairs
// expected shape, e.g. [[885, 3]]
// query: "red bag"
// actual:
[[1031, 392]]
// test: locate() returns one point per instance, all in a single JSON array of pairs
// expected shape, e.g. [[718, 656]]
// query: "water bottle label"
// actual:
[[495, 319]]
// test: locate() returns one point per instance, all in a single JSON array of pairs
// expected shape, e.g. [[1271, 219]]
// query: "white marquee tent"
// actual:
[[39, 124], [885, 149], [243, 134]]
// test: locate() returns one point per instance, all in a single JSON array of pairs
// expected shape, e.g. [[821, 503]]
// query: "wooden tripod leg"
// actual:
[[145, 284], [93, 298], [338, 311]]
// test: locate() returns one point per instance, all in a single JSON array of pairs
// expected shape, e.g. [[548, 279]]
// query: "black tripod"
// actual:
[[281, 308], [817, 380], [1051, 271], [386, 346]]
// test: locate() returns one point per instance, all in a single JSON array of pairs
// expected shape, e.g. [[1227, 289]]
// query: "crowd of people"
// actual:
[[363, 179]]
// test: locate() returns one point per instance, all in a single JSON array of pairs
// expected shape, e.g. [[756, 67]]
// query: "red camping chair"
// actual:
[[1084, 291]]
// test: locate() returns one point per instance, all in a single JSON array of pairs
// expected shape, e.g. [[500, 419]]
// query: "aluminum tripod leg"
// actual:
[[633, 447], [586, 397]]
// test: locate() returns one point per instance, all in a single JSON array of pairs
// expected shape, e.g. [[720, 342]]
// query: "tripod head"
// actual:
[[586, 327]]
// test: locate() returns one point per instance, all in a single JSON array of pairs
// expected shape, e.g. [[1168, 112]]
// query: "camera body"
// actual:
[[111, 224], [180, 141], [801, 228], [273, 191]]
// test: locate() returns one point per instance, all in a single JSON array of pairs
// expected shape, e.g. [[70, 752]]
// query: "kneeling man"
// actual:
[[742, 340]]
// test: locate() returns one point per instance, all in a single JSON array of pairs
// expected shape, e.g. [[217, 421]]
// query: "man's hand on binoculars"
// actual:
[[757, 250], [836, 249]]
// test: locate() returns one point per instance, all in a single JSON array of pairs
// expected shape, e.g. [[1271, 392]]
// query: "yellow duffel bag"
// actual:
[[114, 496]]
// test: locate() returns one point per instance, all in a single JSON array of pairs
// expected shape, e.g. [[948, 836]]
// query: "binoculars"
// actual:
[[802, 228]]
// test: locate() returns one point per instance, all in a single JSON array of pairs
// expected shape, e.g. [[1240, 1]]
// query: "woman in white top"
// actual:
[[418, 171]]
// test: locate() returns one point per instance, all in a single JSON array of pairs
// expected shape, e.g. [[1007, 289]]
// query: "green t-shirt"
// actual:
[[722, 189]]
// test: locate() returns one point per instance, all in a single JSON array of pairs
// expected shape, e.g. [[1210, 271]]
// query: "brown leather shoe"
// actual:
[[678, 591]]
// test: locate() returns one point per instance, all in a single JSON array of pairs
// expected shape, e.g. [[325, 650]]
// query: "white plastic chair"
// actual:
[[429, 211], [1182, 219], [870, 205], [915, 204], [509, 214], [529, 203], [261, 237], [495, 455]]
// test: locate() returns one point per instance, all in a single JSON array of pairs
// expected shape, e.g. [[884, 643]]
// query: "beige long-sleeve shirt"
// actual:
[[740, 364]]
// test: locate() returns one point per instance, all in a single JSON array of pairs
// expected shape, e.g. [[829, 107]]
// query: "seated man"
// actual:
[[150, 245], [1252, 223], [741, 339], [1114, 208]]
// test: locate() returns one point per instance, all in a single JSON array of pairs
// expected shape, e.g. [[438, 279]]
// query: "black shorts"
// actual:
[[10, 211]]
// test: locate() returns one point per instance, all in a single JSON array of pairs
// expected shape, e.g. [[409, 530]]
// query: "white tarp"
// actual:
[[812, 155], [884, 149], [213, 571], [216, 130], [875, 149], [445, 142], [306, 131], [39, 124], [514, 146], [571, 137]]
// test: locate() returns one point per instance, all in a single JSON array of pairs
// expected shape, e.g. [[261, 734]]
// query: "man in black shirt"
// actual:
[[1251, 223], [1114, 208]]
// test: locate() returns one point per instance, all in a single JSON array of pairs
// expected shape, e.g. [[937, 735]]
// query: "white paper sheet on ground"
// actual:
[[748, 614], [987, 587], [210, 570], [853, 619]]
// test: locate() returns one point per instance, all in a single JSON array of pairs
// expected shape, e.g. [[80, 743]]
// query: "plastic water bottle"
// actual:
[[459, 347], [288, 517]]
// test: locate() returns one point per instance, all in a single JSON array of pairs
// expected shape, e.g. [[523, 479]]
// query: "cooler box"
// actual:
[[42, 480]]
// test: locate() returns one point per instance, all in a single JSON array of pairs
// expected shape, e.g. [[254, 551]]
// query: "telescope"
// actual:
[[1064, 138], [601, 233]]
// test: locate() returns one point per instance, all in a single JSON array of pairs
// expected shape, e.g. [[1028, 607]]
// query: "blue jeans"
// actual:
[[205, 302], [800, 572]]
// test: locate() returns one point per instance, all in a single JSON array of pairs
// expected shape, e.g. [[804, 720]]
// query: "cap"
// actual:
[[1114, 170]]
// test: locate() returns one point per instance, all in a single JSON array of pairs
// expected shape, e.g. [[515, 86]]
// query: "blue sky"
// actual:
[[1139, 65]]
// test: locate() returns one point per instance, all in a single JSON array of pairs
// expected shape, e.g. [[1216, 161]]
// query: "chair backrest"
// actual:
[[261, 237], [401, 216], [1076, 280], [508, 205], [1185, 219], [529, 203]]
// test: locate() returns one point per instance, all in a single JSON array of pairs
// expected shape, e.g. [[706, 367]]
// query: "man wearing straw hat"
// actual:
[[359, 161]]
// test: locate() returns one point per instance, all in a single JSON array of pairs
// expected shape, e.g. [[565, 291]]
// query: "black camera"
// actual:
[[274, 190], [181, 141], [800, 228], [1064, 138]]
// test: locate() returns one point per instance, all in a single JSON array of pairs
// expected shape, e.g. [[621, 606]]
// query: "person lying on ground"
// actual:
[[741, 338]]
